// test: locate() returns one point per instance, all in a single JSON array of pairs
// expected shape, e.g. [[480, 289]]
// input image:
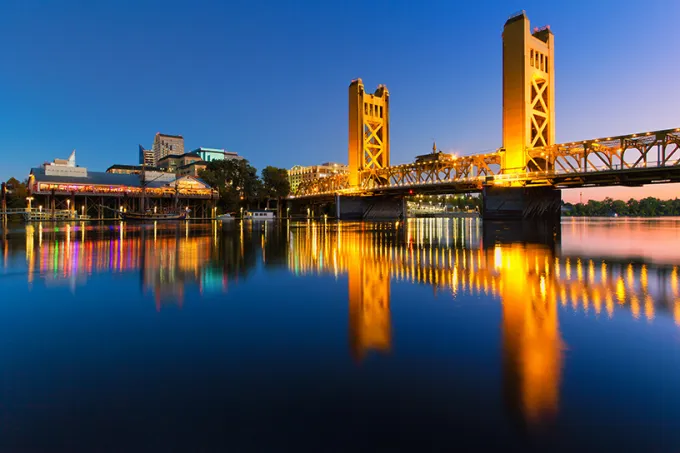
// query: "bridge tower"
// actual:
[[528, 122], [369, 130], [528, 91]]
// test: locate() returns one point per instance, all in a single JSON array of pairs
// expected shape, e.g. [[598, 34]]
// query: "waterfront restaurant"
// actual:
[[62, 185]]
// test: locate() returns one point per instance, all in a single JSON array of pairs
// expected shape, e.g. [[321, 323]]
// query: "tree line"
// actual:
[[646, 207], [239, 185]]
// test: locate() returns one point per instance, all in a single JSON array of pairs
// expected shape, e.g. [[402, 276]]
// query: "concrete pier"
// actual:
[[370, 207], [521, 203]]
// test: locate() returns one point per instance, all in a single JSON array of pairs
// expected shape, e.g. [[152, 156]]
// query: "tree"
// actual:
[[16, 193], [275, 184], [236, 182]]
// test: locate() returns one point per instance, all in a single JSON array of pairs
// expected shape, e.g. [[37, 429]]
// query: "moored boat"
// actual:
[[146, 215], [258, 215]]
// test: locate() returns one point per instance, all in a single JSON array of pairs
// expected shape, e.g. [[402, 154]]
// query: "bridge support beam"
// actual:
[[370, 208], [522, 203]]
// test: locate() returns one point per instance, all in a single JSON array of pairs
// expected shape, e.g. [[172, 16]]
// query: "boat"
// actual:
[[258, 215], [147, 215], [226, 216]]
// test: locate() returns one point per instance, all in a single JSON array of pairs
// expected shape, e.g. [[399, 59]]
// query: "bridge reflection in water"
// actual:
[[523, 268], [530, 280]]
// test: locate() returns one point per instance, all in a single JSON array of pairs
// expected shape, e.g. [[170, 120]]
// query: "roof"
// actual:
[[96, 178], [133, 167], [197, 162], [168, 135], [211, 150]]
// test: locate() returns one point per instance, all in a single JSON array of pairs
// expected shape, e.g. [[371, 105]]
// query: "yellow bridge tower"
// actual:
[[528, 91], [369, 131]]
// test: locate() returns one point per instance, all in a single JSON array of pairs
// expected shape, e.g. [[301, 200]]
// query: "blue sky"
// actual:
[[268, 79]]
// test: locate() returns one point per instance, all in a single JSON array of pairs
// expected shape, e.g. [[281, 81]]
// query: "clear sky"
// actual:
[[268, 79]]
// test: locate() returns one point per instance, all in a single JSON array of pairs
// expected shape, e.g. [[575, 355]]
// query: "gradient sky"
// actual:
[[268, 79]]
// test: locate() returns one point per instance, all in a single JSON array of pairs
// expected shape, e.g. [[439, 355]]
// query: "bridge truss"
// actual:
[[636, 159]]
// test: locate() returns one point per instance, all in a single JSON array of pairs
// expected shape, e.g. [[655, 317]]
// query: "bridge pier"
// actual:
[[522, 203], [382, 207]]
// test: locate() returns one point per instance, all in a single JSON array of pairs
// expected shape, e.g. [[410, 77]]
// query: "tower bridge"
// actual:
[[521, 179]]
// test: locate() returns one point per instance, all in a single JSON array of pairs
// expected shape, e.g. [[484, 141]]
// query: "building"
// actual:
[[192, 168], [146, 157], [299, 174], [62, 185], [167, 145], [211, 154], [131, 169], [65, 167], [150, 173], [171, 163]]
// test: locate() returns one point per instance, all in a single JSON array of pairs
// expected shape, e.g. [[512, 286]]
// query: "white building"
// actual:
[[65, 167]]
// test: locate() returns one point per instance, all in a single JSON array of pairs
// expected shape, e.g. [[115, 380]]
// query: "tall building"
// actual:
[[299, 174], [167, 145], [146, 157]]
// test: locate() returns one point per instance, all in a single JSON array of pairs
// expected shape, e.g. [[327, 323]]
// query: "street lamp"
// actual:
[[68, 205], [28, 200], [82, 209]]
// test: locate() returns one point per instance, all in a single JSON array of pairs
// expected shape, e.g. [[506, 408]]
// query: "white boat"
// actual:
[[226, 216], [258, 215]]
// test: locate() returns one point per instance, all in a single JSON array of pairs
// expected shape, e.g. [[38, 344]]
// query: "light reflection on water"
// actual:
[[536, 275]]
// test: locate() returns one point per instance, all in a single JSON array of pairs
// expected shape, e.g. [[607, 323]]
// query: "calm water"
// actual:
[[426, 336]]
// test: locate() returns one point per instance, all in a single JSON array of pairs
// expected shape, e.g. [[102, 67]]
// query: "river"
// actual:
[[428, 335]]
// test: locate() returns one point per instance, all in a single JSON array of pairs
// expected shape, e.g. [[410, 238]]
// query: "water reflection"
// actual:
[[530, 272], [450, 255]]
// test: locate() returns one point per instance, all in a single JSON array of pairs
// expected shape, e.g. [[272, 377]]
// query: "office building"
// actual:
[[192, 168], [146, 157], [171, 163], [299, 174], [211, 154], [167, 145]]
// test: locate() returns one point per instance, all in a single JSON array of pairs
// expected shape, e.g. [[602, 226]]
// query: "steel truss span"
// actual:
[[635, 159]]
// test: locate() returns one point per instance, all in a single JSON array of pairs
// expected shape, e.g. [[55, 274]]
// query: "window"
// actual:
[[531, 58], [546, 64]]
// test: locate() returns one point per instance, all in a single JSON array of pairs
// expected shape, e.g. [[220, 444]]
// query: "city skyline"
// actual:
[[233, 101]]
